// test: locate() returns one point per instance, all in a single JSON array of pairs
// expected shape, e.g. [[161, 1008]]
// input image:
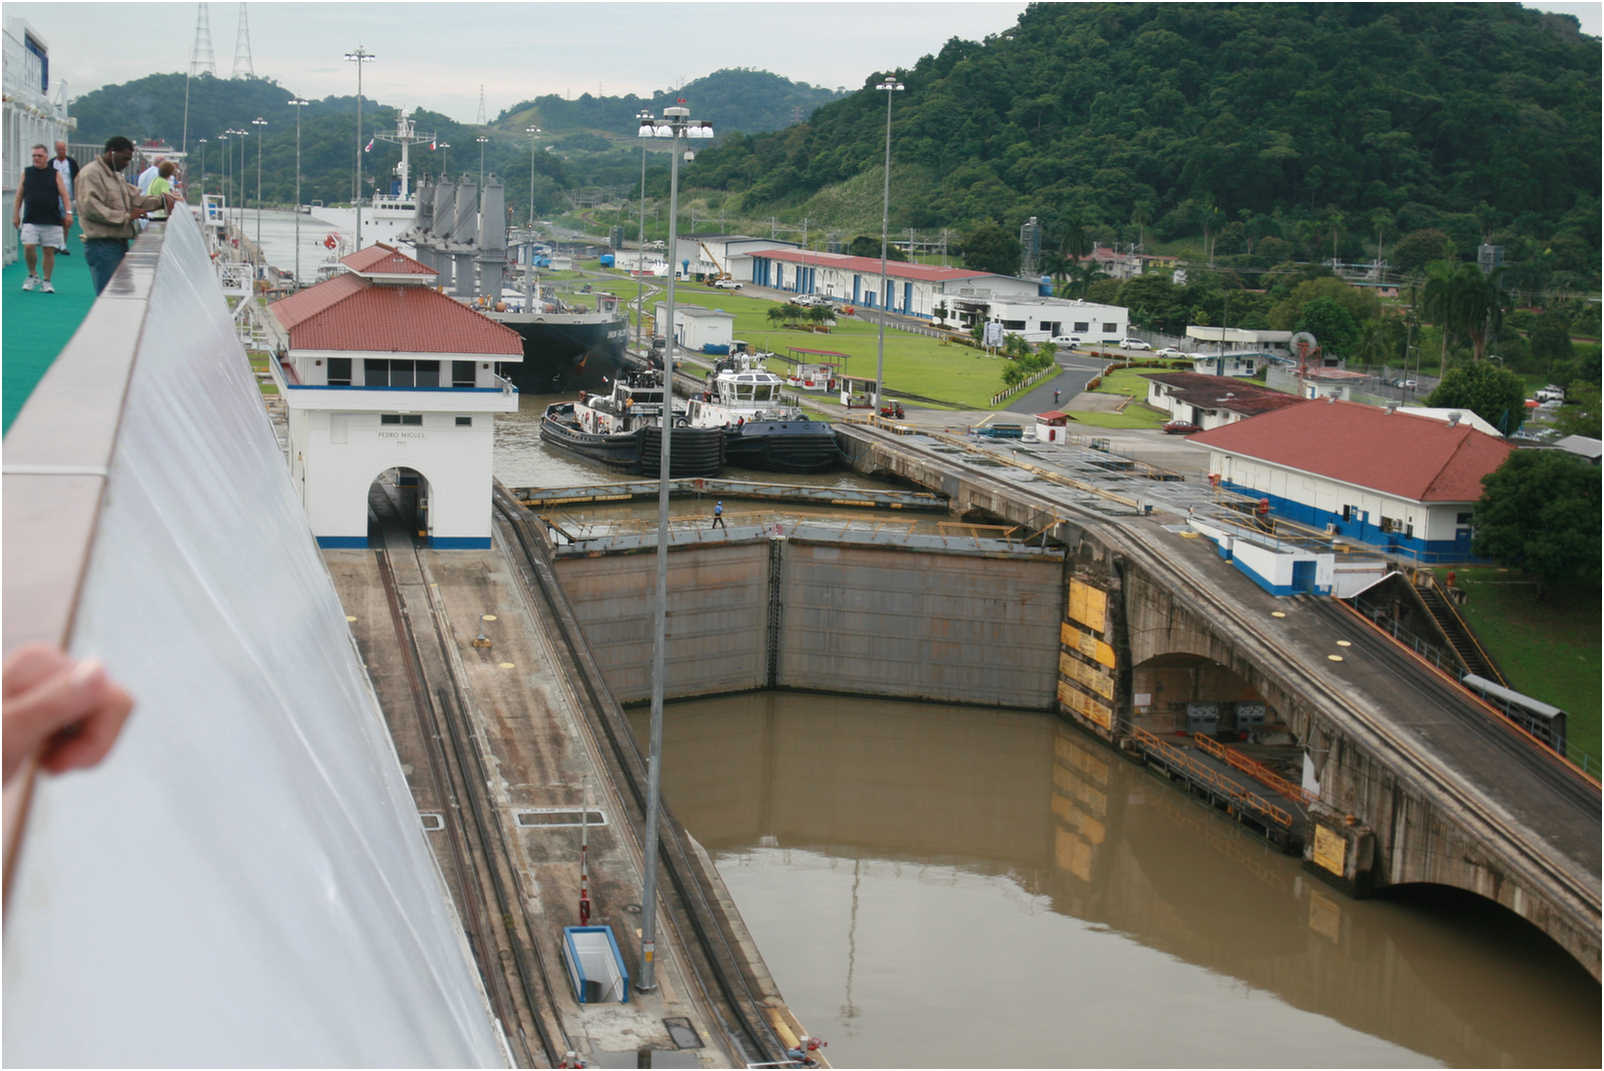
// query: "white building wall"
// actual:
[[336, 455], [1434, 521]]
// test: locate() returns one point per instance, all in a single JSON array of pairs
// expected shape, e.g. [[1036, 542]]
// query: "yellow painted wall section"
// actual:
[[1088, 605], [1330, 849]]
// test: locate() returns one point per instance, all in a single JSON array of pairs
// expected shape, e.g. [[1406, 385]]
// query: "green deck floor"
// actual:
[[35, 327]]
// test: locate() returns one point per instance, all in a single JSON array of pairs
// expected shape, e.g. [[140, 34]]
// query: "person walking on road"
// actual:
[[109, 208], [718, 515], [42, 211], [1055, 396]]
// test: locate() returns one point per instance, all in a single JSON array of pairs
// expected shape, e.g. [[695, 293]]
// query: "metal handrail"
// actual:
[[1258, 771], [1212, 778]]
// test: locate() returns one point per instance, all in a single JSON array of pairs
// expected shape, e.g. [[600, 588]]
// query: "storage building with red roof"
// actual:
[[1404, 484], [910, 289], [387, 380]]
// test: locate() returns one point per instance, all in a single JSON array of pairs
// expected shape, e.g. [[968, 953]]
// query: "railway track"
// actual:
[[477, 858], [1401, 752], [691, 906]]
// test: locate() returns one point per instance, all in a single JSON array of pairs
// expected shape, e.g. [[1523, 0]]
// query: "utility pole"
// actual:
[[358, 56]]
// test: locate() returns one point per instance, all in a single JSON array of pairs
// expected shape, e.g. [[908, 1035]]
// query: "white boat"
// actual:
[[761, 429], [390, 213]]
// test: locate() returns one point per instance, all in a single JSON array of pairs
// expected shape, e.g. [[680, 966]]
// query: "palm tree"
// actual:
[[1464, 302], [1087, 273]]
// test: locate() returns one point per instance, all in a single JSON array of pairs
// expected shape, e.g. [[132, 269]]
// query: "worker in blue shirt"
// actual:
[[718, 515]]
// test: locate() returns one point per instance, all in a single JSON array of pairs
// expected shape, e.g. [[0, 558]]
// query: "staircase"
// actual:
[[1458, 634]]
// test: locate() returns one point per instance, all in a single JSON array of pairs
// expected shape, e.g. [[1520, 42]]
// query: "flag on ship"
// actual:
[[433, 143], [369, 146]]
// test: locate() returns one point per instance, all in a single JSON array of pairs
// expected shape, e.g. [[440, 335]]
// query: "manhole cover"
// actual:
[[432, 822], [682, 1033]]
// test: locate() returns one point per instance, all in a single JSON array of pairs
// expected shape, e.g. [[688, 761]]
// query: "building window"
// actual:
[[428, 373], [1462, 518], [1013, 325], [413, 420], [1083, 325], [376, 373], [462, 374], [1110, 329], [339, 371], [465, 422]]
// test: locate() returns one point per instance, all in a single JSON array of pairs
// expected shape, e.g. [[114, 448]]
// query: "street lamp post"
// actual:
[[644, 118], [359, 56], [889, 87], [533, 132], [481, 139], [239, 173], [675, 124], [222, 149], [200, 180], [260, 137], [298, 104]]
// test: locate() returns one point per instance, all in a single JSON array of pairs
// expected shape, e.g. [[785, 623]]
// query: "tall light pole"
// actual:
[[481, 139], [445, 161], [359, 56], [888, 87], [674, 125], [260, 138], [533, 132], [644, 118], [298, 104], [222, 149], [239, 173], [200, 180]]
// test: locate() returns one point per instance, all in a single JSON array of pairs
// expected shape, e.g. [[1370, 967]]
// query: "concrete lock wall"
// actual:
[[885, 621]]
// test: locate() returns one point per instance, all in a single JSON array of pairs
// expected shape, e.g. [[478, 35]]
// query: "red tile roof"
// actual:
[[349, 312], [1413, 457], [1210, 392], [895, 269], [381, 259]]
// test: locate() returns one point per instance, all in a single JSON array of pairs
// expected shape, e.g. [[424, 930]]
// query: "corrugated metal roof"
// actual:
[[381, 259], [1409, 456], [1210, 392], [349, 312], [895, 269]]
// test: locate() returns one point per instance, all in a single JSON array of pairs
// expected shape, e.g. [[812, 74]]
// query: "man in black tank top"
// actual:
[[43, 211]]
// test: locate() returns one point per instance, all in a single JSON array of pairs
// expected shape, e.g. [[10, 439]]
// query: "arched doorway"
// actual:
[[398, 506]]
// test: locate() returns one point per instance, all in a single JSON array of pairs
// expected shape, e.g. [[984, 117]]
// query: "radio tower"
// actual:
[[480, 121], [201, 60], [242, 47]]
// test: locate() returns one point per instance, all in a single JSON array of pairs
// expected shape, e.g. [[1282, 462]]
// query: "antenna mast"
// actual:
[[242, 47], [480, 121], [201, 59]]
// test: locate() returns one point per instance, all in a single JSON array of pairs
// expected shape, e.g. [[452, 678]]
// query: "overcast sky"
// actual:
[[436, 55]]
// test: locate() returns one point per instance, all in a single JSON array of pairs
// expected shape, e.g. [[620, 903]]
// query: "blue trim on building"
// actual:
[[1359, 529], [342, 542], [452, 390], [459, 542]]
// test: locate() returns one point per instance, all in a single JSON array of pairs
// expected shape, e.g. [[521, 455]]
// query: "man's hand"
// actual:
[[66, 712]]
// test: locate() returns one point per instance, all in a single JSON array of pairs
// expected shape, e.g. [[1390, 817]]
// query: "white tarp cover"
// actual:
[[245, 881]]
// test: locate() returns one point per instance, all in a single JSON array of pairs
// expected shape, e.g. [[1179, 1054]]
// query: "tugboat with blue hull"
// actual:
[[761, 430], [623, 430]]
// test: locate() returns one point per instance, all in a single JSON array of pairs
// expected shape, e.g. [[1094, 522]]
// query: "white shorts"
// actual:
[[49, 234]]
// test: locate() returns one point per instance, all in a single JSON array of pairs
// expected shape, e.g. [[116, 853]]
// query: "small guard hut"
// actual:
[[388, 381], [1052, 427]]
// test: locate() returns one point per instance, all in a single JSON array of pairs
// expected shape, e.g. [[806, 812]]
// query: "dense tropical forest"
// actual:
[[586, 142], [1265, 131]]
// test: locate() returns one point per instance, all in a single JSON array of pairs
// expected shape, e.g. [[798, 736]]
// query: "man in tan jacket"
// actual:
[[108, 207]]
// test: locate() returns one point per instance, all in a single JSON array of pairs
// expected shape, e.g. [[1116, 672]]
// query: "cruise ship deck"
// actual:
[[34, 326]]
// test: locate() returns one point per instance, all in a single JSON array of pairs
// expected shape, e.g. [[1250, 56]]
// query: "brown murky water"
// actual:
[[954, 887], [939, 886]]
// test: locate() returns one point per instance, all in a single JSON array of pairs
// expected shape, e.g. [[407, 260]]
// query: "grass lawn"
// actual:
[[1132, 383], [962, 377], [1549, 650]]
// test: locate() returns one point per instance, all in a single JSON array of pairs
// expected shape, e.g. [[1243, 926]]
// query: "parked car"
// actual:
[[1180, 427], [1551, 393], [726, 284], [1170, 351], [1133, 344], [1072, 341]]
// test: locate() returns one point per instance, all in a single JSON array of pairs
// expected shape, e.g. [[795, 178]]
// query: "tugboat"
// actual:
[[761, 430], [623, 430]]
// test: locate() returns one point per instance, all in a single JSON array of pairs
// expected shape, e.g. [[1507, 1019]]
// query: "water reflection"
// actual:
[[945, 886]]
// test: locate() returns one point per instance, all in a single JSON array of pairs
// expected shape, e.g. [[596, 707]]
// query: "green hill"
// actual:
[[1276, 130]]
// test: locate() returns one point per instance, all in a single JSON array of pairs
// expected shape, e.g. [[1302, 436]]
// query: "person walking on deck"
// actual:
[[42, 211], [108, 209], [718, 515], [69, 170]]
